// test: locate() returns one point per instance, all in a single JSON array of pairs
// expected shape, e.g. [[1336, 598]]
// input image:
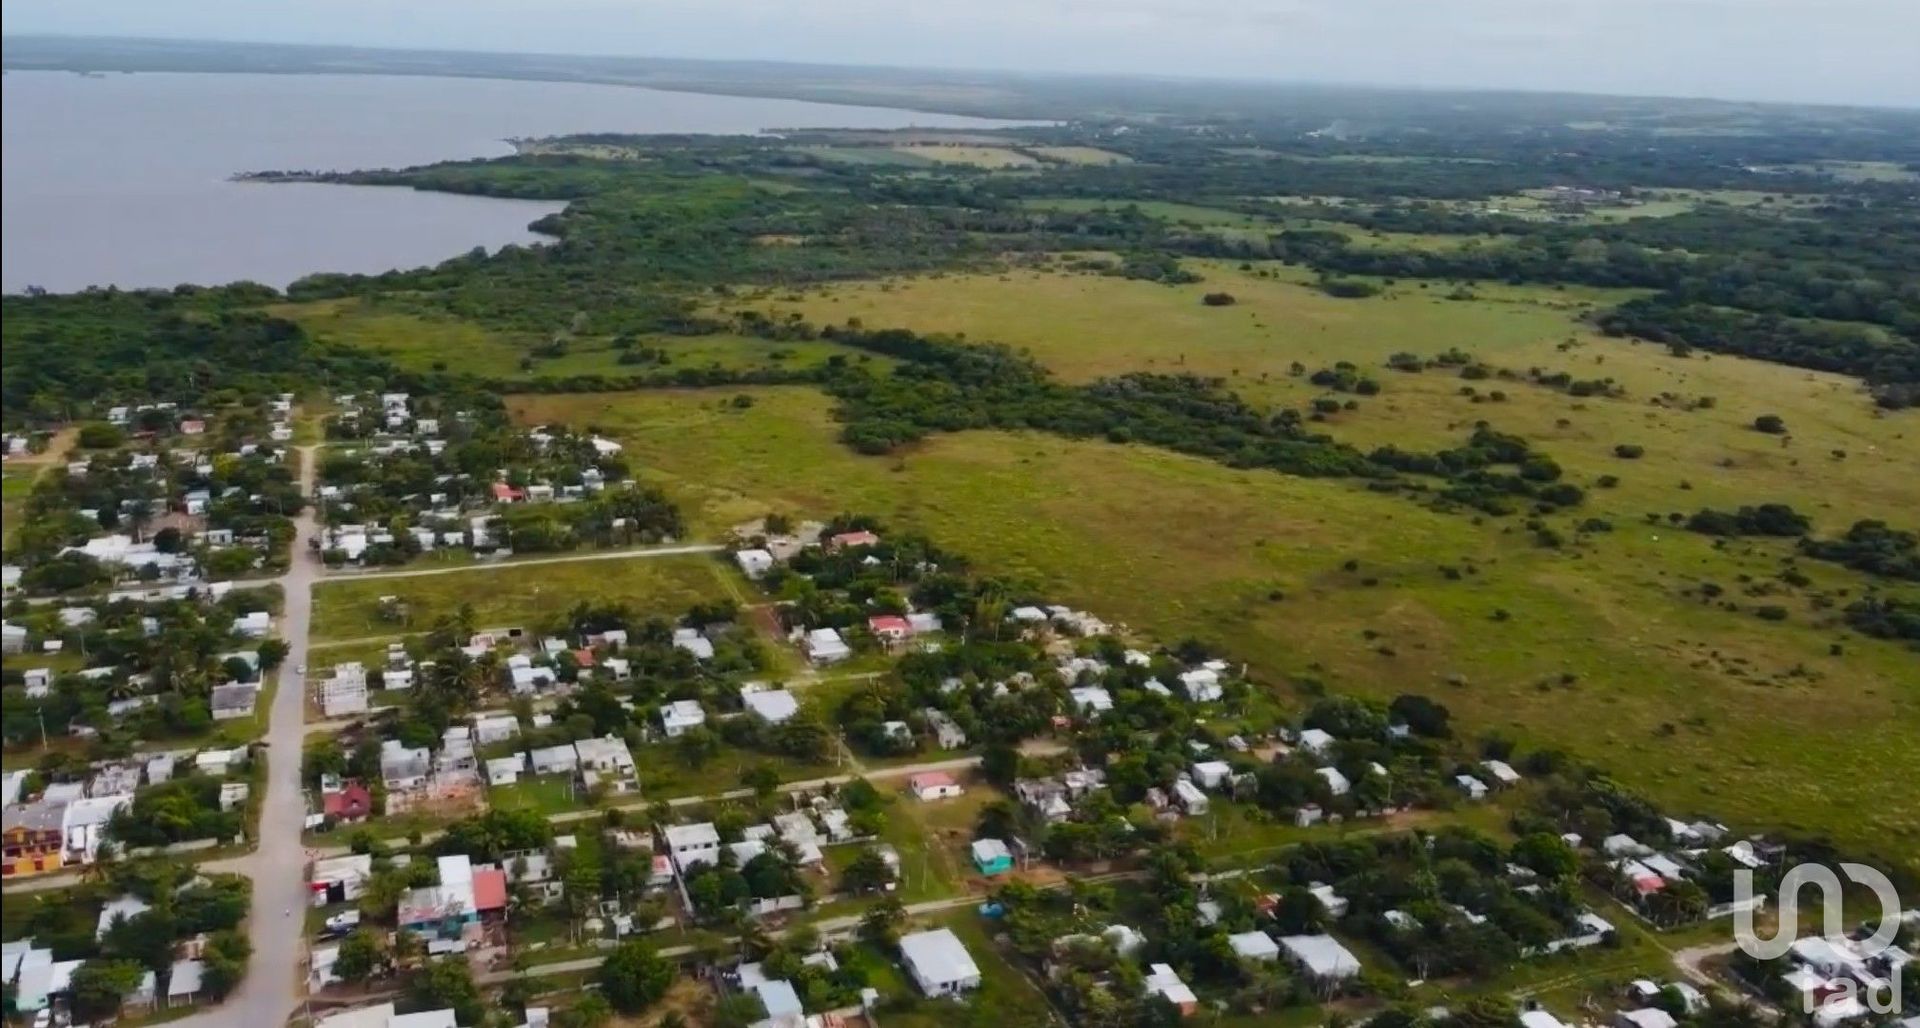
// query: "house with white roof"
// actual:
[[754, 563], [824, 646], [1202, 685], [939, 963], [1317, 742], [680, 715], [769, 706], [1163, 981], [1337, 783], [693, 642], [1501, 771], [1091, 700], [1321, 957], [1254, 946], [693, 844]]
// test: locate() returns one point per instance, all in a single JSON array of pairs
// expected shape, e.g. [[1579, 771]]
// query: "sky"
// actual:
[[1817, 51]]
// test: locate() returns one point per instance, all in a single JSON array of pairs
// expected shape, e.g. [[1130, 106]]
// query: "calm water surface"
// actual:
[[123, 179]]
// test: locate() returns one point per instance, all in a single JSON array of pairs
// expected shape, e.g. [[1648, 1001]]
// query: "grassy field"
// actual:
[[974, 156], [425, 343], [1081, 155], [545, 794], [1601, 655], [16, 484], [520, 596], [1086, 327]]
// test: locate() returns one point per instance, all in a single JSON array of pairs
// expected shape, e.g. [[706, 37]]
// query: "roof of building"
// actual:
[[186, 978], [938, 956], [772, 704], [490, 889], [779, 998], [1163, 981], [1321, 955], [931, 780], [1253, 944], [1649, 1017], [683, 836]]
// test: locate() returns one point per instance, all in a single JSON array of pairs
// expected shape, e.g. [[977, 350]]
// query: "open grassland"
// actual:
[[515, 596], [973, 156], [431, 343], [1080, 155], [1598, 653], [1086, 327]]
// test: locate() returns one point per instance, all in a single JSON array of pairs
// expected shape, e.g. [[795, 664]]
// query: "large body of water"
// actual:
[[124, 179]]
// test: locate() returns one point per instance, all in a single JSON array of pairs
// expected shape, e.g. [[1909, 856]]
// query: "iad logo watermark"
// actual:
[[1846, 963]]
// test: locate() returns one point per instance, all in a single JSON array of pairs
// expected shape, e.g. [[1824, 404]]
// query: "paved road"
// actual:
[[273, 985]]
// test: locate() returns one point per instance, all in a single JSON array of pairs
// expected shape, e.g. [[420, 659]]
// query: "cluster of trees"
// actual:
[[71, 356], [174, 663], [1769, 519], [178, 810], [1871, 546], [182, 904]]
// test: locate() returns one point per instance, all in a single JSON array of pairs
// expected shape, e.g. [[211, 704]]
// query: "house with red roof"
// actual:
[[934, 785], [351, 804], [891, 629], [505, 493], [850, 540], [490, 892]]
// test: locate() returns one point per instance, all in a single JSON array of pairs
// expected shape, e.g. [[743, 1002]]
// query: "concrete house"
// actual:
[[233, 701], [690, 845], [933, 785], [991, 856], [754, 563], [939, 963], [1202, 685], [554, 760], [1321, 957], [680, 715], [946, 732], [1254, 946], [769, 706], [402, 768], [824, 646]]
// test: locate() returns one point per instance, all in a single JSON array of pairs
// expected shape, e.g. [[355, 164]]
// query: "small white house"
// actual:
[[1317, 742], [824, 646], [934, 785], [1254, 946], [770, 706], [680, 715], [1501, 772], [1337, 783], [1473, 787], [939, 963], [1202, 685], [754, 563]]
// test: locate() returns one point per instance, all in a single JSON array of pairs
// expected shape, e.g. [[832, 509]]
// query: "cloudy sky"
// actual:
[[1839, 51]]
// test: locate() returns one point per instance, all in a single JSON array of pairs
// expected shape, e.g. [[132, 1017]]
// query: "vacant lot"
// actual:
[[516, 596], [1597, 652]]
